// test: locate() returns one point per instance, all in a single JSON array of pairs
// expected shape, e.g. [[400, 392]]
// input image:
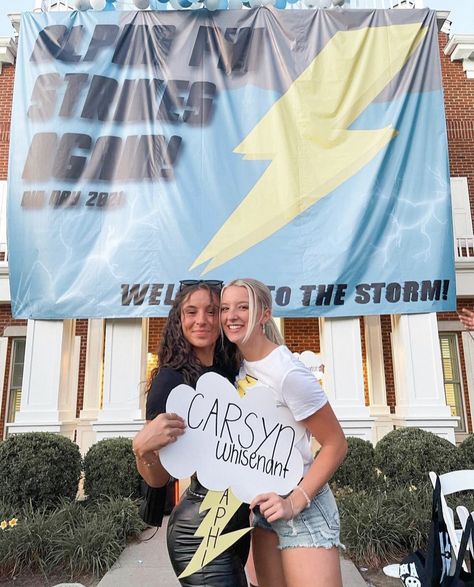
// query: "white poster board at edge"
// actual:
[[247, 444]]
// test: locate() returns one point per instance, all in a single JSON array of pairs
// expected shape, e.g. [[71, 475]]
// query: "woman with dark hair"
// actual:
[[191, 345]]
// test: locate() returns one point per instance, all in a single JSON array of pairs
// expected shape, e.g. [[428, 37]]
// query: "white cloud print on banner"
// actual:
[[247, 444]]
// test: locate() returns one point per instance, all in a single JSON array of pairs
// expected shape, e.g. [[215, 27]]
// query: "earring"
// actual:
[[263, 328]]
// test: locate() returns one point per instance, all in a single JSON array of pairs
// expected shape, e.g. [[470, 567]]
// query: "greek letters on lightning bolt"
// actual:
[[222, 506]]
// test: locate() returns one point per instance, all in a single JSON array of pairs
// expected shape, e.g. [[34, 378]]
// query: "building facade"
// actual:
[[86, 379]]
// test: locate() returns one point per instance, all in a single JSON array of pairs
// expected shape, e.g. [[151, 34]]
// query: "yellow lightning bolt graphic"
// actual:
[[305, 135], [222, 505]]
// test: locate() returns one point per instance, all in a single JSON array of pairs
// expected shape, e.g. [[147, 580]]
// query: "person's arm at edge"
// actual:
[[467, 318]]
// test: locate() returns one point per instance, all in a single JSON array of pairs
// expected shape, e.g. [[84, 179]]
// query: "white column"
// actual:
[[468, 347], [418, 373], [91, 404], [378, 408], [124, 378], [3, 369], [343, 376], [49, 391]]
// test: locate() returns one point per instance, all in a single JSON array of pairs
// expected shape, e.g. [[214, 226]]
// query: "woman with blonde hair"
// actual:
[[296, 536]]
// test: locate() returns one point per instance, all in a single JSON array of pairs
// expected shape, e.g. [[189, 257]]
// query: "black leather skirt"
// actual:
[[227, 569]]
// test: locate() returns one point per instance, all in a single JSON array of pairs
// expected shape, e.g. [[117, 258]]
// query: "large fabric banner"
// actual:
[[304, 148]]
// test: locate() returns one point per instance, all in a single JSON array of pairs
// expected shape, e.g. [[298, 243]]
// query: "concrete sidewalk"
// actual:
[[146, 564]]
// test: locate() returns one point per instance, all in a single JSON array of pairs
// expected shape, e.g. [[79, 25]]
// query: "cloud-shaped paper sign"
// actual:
[[247, 444]]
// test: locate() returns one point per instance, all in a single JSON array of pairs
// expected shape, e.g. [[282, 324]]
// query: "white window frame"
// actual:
[[459, 433], [9, 408]]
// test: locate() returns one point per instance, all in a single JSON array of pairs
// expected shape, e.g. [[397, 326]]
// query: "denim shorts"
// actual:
[[316, 526]]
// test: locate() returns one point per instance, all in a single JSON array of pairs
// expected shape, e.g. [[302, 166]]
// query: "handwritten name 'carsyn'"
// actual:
[[260, 447]]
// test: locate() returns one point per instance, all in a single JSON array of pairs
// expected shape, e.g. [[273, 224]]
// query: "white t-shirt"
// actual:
[[294, 386]]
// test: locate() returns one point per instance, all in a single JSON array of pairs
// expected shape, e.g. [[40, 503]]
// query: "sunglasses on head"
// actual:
[[184, 283]]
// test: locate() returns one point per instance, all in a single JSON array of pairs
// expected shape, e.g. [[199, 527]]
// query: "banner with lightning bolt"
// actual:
[[306, 148]]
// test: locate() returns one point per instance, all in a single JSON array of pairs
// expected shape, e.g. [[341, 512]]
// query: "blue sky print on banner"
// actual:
[[305, 148]]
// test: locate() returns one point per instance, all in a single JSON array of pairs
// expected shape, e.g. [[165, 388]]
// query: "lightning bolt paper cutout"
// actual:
[[305, 136], [222, 505]]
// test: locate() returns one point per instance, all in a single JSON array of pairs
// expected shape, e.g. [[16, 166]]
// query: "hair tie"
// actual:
[[308, 501]]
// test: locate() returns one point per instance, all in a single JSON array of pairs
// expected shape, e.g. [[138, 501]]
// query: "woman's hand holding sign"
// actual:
[[274, 507], [155, 435], [158, 433]]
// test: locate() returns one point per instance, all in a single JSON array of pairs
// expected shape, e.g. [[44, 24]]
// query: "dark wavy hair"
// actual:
[[176, 352]]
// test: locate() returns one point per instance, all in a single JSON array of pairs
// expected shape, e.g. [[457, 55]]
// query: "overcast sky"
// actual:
[[462, 13]]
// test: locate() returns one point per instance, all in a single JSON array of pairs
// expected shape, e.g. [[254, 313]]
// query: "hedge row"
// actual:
[[384, 493], [41, 468], [403, 458]]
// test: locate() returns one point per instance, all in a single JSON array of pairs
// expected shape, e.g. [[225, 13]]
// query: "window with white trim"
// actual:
[[16, 377], [3, 220], [452, 377], [462, 220]]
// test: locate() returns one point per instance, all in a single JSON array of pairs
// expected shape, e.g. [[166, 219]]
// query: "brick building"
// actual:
[[85, 378]]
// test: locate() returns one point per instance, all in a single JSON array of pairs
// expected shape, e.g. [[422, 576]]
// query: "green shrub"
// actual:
[[110, 469], [380, 526], [406, 456], [466, 449], [73, 540], [92, 543], [39, 467], [358, 469]]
